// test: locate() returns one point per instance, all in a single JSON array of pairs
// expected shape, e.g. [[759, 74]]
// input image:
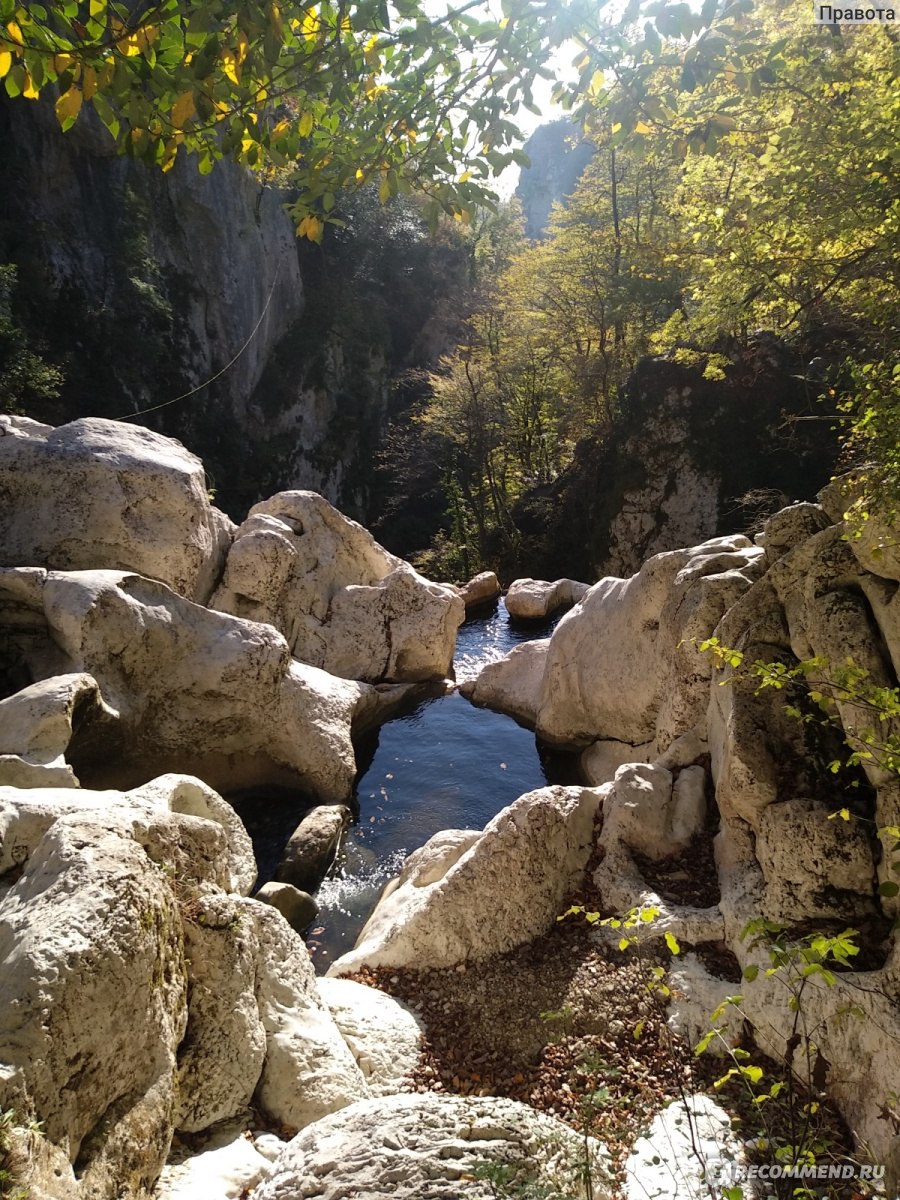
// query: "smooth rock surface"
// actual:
[[426, 1147], [196, 691], [227, 1167], [600, 762], [648, 814], [384, 1036], [343, 602], [535, 599], [609, 664], [689, 1143], [36, 726], [104, 494], [485, 894], [480, 589], [309, 1070], [513, 684], [297, 907], [312, 846]]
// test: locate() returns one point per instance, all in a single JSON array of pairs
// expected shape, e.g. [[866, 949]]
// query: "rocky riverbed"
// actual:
[[163, 1032]]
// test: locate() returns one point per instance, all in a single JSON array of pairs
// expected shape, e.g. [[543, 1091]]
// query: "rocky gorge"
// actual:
[[162, 1029]]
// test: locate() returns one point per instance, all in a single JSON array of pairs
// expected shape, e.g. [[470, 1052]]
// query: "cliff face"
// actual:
[[558, 156], [690, 458], [144, 286]]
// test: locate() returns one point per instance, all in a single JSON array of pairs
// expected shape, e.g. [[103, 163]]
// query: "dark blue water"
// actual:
[[443, 765]]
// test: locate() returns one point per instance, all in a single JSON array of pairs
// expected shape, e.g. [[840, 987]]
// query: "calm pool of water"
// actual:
[[443, 765]]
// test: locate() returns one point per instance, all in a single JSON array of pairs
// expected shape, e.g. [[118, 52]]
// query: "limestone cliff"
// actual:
[[143, 286], [689, 458], [558, 156]]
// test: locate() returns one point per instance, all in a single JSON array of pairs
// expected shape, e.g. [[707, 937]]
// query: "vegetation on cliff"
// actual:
[[744, 177]]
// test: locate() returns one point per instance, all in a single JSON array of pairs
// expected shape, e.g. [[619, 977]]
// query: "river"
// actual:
[[445, 764], [441, 764]]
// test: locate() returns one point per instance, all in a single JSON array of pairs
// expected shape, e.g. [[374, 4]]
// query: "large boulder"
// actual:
[[427, 1147], [102, 494], [93, 994], [36, 726], [257, 1026], [312, 846], [611, 660], [480, 589], [309, 1070], [196, 691], [652, 815], [537, 599], [343, 602], [384, 1036], [513, 684], [465, 896], [27, 815]]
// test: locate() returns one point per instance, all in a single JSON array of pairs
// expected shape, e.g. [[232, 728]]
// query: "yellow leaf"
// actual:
[[15, 33], [465, 177], [310, 25], [62, 62], [642, 127], [5, 62], [242, 47], [171, 154], [280, 128], [69, 104], [29, 91], [617, 126], [310, 227], [305, 124], [183, 109], [360, 175], [230, 66], [277, 21], [384, 191], [89, 82]]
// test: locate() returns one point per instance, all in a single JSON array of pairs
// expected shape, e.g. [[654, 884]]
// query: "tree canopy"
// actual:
[[391, 91]]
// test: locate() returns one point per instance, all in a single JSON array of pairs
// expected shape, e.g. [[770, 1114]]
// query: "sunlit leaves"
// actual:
[[397, 90]]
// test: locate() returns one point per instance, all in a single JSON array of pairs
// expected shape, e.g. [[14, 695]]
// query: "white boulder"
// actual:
[[309, 1070], [343, 602], [103, 494], [482, 897], [600, 762], [427, 1147], [93, 996], [227, 1168], [513, 684], [26, 815], [480, 589], [536, 599], [689, 1152], [611, 660], [36, 726], [196, 691], [384, 1036]]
